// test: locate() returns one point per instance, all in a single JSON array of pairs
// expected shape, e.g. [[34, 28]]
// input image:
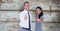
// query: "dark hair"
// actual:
[[41, 14], [26, 2]]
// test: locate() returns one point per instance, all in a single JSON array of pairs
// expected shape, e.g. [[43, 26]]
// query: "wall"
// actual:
[[10, 9]]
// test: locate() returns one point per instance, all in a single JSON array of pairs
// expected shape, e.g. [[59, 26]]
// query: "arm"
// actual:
[[40, 20], [23, 17]]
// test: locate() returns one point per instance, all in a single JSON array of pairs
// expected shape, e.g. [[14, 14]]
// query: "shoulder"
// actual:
[[21, 12], [42, 17]]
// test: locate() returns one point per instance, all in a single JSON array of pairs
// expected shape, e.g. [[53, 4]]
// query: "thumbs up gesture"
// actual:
[[25, 17], [39, 20]]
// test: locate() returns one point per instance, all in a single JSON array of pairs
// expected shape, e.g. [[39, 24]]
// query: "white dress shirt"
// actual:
[[24, 23]]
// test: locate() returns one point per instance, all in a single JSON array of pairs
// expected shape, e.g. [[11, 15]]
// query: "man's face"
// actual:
[[26, 6]]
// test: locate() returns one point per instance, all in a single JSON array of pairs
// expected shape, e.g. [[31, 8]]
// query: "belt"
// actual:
[[26, 28]]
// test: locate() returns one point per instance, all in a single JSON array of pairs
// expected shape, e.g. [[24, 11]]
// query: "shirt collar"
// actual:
[[25, 10]]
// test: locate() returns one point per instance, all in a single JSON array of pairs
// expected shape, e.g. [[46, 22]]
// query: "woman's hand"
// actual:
[[39, 20]]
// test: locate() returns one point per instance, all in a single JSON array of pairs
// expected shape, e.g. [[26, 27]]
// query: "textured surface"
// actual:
[[10, 9], [9, 20]]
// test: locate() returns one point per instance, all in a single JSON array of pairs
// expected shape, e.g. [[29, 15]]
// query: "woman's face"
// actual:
[[38, 11]]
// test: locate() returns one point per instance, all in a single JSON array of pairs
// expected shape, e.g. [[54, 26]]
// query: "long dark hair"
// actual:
[[41, 14]]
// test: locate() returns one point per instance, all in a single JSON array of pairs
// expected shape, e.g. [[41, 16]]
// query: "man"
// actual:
[[25, 18]]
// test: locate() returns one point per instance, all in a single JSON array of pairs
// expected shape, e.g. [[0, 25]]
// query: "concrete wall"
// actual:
[[18, 4], [9, 14]]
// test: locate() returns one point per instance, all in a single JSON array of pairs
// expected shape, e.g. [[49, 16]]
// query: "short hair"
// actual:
[[26, 2], [41, 14]]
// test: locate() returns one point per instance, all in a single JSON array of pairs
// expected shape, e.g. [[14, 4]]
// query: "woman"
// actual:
[[39, 19]]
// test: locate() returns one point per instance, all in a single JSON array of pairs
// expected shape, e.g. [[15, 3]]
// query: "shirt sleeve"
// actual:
[[21, 16]]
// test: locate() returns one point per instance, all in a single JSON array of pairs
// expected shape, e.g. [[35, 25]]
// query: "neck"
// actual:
[[25, 9]]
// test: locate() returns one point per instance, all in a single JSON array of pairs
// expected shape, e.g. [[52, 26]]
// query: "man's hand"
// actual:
[[25, 17]]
